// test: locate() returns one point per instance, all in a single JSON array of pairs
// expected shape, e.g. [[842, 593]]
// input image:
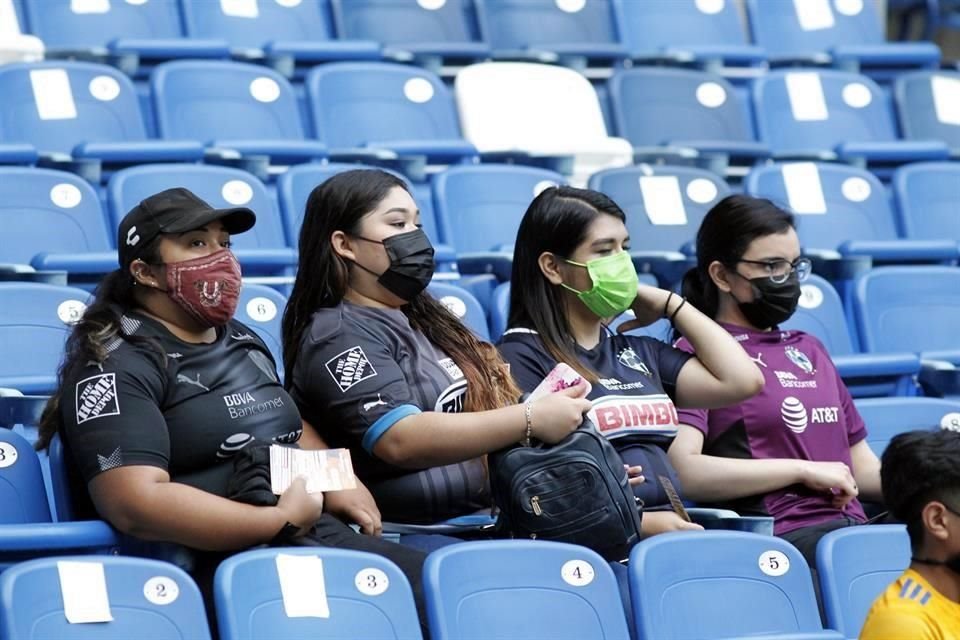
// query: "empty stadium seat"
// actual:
[[15, 46], [521, 590], [322, 593], [534, 113], [928, 199], [832, 114], [422, 30], [927, 106], [708, 33], [231, 106], [845, 209], [887, 417], [261, 309], [734, 585], [73, 598], [22, 490], [850, 37], [382, 107], [463, 305], [855, 565], [262, 249]]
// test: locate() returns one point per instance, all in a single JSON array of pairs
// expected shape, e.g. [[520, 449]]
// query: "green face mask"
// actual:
[[614, 284]]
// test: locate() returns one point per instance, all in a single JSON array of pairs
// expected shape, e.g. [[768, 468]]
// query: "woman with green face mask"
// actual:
[[572, 274]]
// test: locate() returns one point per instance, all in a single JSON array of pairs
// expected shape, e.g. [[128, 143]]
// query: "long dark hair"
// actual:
[[556, 222], [724, 236], [95, 335], [338, 205]]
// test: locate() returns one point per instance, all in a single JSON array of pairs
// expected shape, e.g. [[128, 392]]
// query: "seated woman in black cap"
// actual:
[[149, 392]]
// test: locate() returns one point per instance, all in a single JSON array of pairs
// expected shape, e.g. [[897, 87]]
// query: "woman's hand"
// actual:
[[634, 475], [556, 415], [655, 522], [299, 507], [648, 306], [356, 506], [832, 477]]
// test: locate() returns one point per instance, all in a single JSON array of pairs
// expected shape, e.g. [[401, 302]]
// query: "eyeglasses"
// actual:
[[779, 270]]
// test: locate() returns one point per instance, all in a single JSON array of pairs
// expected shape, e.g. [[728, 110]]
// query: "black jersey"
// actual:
[[188, 415], [360, 371]]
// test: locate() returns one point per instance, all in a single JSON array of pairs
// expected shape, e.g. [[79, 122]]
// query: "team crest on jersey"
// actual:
[[451, 400], [350, 368], [628, 358], [800, 359], [97, 397]]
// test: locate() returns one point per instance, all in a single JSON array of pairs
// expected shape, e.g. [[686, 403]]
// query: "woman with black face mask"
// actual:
[[796, 451], [380, 367]]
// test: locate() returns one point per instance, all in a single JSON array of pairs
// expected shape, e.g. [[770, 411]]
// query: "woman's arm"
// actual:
[[866, 470]]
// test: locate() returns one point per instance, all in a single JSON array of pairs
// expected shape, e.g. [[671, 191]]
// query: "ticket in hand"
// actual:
[[327, 470], [562, 377]]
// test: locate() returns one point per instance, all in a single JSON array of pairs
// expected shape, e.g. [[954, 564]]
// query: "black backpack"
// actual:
[[574, 491]]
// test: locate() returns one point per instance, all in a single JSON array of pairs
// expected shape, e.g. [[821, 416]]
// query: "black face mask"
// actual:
[[411, 264], [772, 303]]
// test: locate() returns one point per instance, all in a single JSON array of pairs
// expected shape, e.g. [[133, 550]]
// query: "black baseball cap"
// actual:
[[173, 211]]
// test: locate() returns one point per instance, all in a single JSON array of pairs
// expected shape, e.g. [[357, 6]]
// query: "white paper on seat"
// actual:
[[240, 8], [52, 94], [813, 14], [83, 586], [946, 99], [807, 101], [662, 200], [302, 586], [90, 6], [804, 189]]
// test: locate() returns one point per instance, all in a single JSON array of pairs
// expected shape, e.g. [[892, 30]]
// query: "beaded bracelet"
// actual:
[[528, 415]]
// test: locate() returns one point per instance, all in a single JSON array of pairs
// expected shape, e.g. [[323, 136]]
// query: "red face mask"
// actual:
[[207, 288]]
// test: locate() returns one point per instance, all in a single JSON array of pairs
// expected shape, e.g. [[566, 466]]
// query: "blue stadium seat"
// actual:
[[301, 31], [709, 34], [16, 45], [909, 309], [549, 30], [22, 490], [682, 109], [147, 599], [479, 209], [424, 31], [521, 590], [371, 108], [832, 114], [927, 106], [366, 595], [33, 327], [850, 38], [462, 304], [78, 109], [53, 220], [927, 196], [734, 584], [855, 565], [231, 106], [263, 249], [261, 309], [887, 417], [845, 209]]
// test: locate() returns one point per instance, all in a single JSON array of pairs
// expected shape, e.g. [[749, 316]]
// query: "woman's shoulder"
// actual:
[[520, 336]]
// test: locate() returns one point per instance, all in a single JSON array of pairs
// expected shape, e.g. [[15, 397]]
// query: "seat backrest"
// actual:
[[802, 27], [215, 100], [519, 24], [654, 25], [22, 491], [520, 590], [221, 187], [887, 417], [928, 199], [394, 22], [46, 211], [350, 594], [141, 599], [35, 322], [764, 580], [261, 309], [652, 106], [89, 24], [855, 565], [519, 106], [664, 205], [353, 104], [56, 105], [820, 313], [15, 45], [251, 24], [817, 110], [463, 305], [927, 105], [480, 207], [833, 203], [908, 308]]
